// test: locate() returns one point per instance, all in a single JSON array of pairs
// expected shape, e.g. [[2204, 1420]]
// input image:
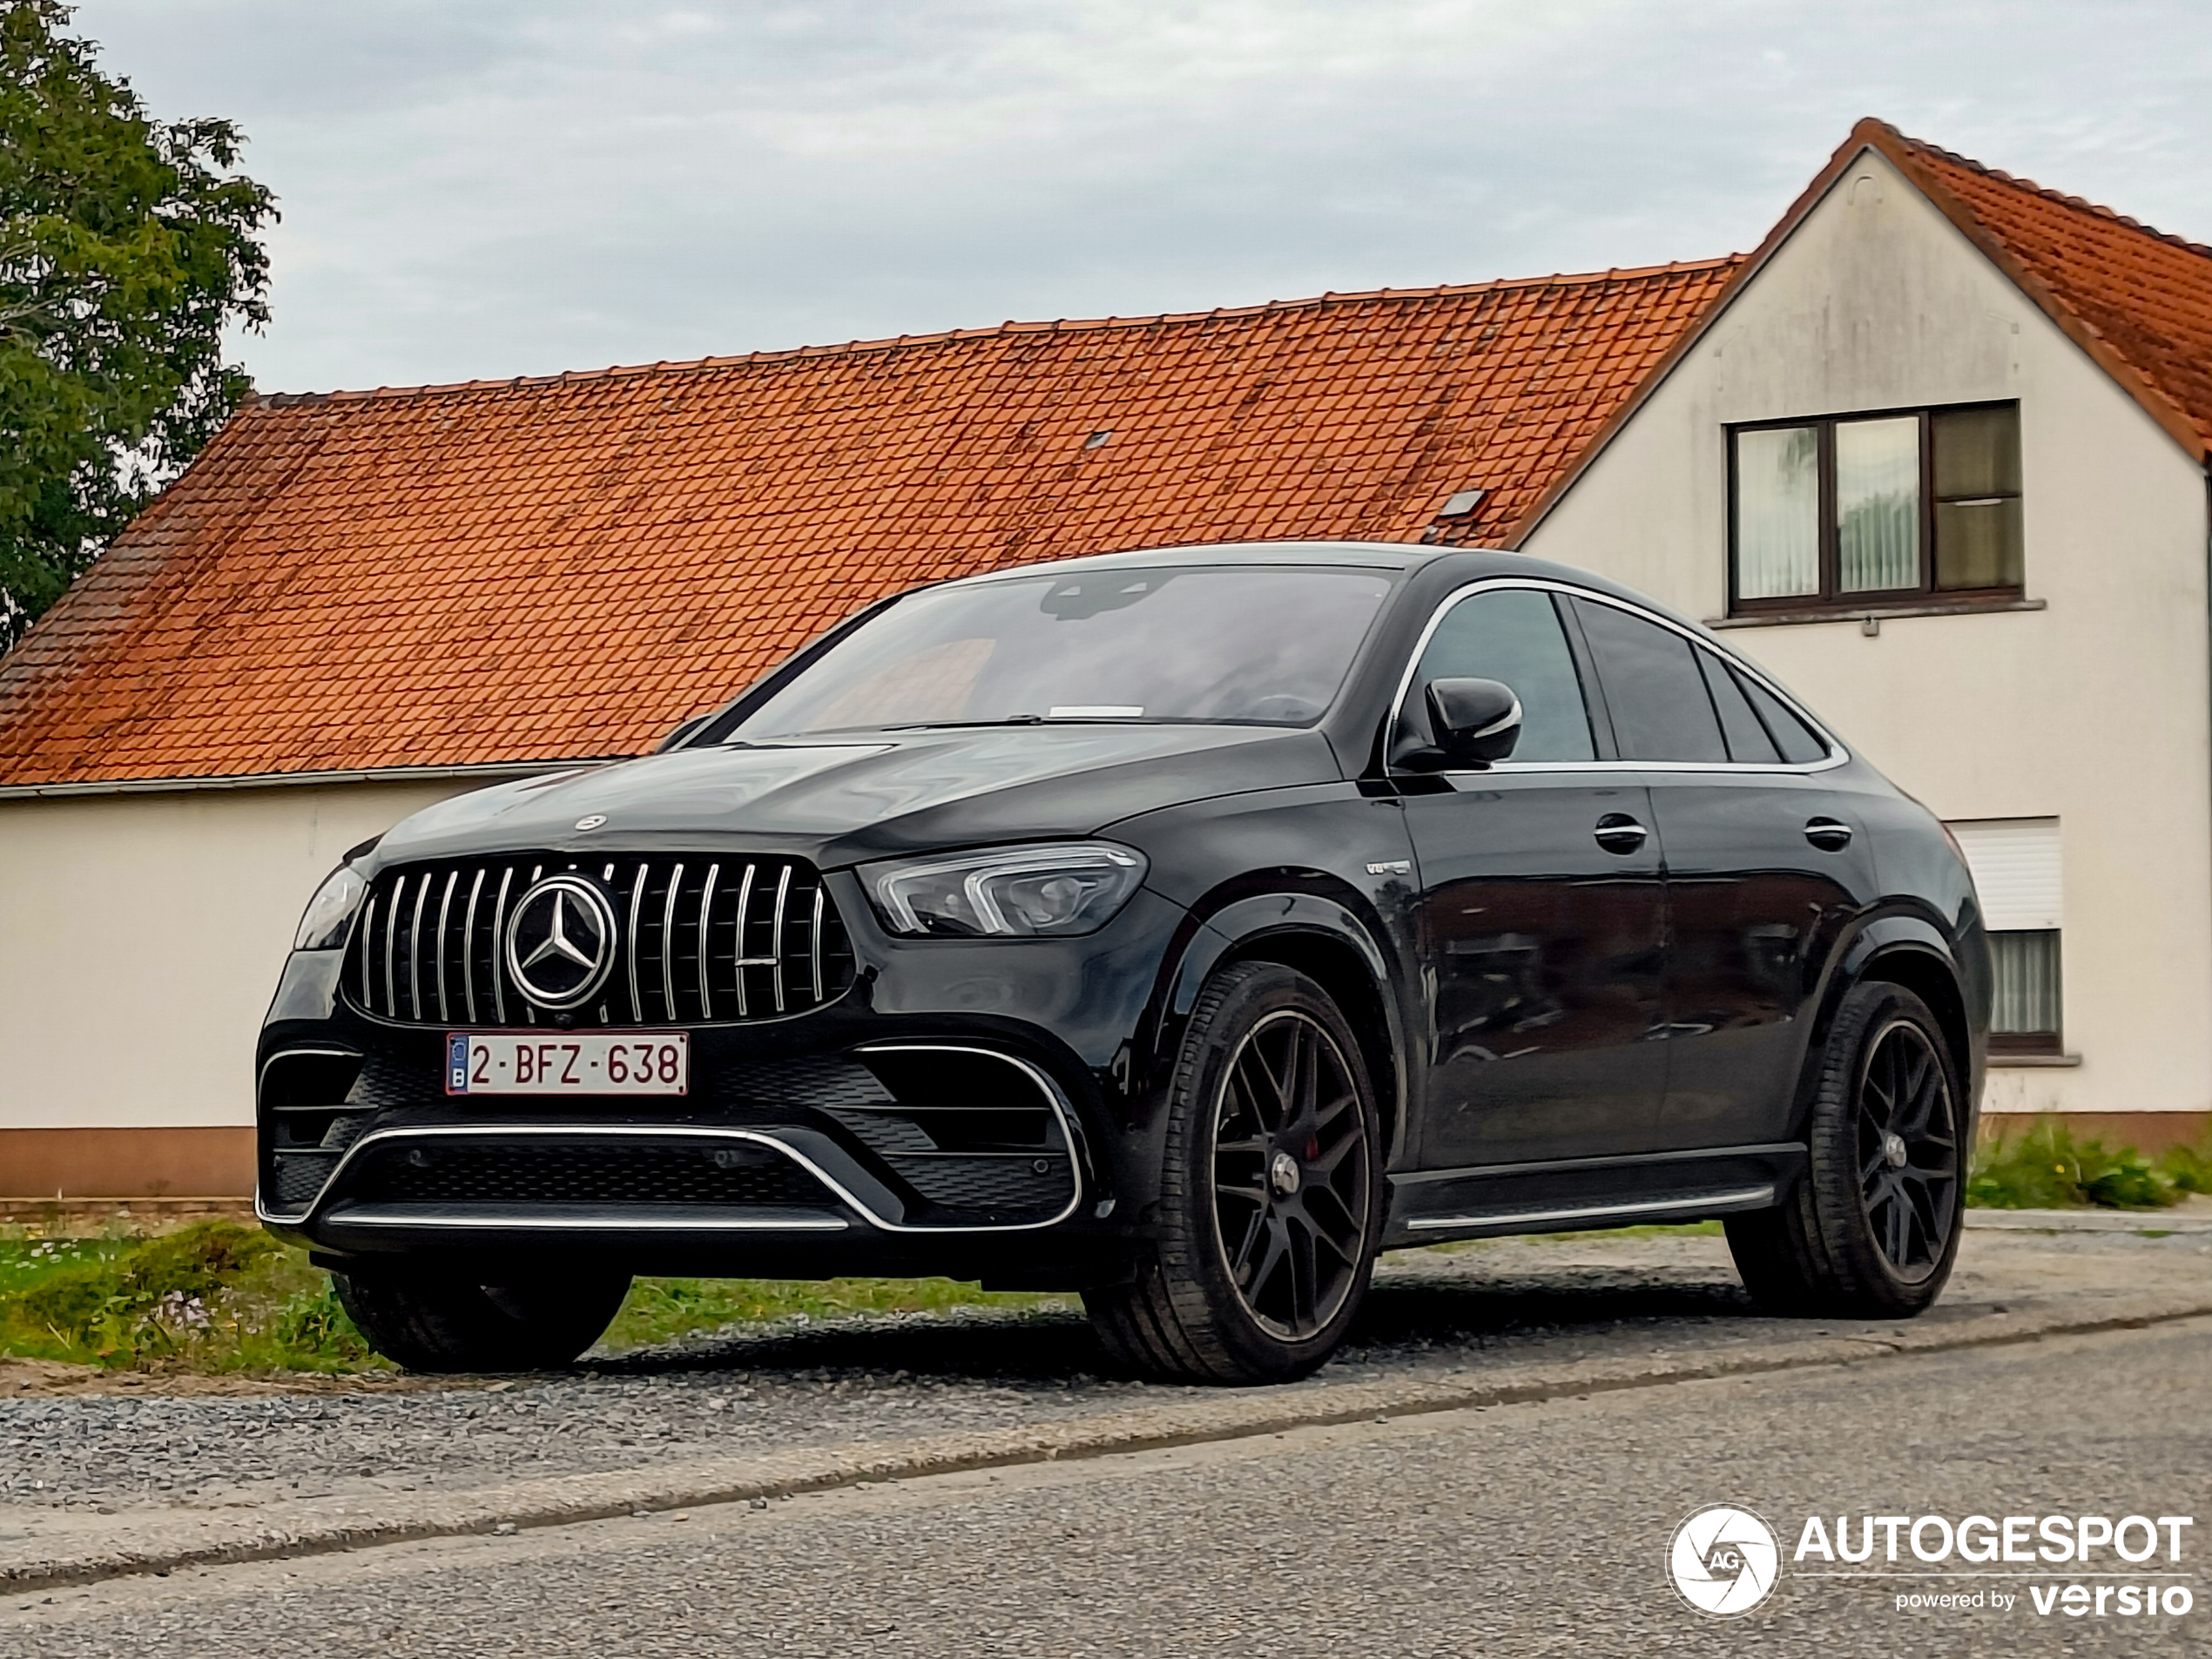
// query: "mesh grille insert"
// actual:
[[748, 1177]]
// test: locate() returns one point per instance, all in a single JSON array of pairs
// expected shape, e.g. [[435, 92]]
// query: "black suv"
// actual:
[[1183, 927]]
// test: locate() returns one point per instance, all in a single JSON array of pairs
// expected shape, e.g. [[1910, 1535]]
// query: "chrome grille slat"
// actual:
[[629, 932], [814, 939], [445, 909], [783, 893], [738, 963], [668, 943], [773, 916], [498, 949], [468, 948], [414, 950], [706, 957], [391, 937]]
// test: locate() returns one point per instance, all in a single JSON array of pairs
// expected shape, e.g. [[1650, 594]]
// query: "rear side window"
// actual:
[[1653, 688], [1747, 742], [1793, 737], [1511, 635]]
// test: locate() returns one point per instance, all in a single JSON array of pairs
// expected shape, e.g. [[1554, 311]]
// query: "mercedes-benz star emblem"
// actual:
[[560, 942]]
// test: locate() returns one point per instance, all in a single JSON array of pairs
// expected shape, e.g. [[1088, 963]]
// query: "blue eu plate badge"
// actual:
[[457, 1063]]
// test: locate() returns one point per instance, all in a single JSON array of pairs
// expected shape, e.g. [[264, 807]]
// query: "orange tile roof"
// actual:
[[2138, 300], [509, 572]]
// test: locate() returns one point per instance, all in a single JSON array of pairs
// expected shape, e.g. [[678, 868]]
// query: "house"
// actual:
[[1935, 453], [1937, 457]]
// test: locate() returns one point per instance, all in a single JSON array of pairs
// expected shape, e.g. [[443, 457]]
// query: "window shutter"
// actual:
[[2015, 861]]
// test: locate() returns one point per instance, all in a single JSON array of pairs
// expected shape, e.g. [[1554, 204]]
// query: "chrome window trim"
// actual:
[[1055, 1101], [1838, 754]]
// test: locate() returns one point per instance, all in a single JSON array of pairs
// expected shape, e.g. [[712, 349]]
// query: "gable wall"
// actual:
[[2094, 710]]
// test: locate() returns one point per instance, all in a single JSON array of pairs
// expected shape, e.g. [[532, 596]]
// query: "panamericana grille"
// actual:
[[698, 939]]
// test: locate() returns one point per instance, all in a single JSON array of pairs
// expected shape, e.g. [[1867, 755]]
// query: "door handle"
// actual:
[[1828, 835], [1618, 833]]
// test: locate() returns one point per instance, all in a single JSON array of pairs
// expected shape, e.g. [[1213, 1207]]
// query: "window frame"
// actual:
[[1609, 757], [1830, 597]]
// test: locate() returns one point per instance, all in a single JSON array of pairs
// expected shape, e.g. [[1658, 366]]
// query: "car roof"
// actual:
[[1382, 556]]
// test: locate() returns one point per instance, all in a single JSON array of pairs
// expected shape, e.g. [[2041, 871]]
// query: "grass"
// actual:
[[218, 1297], [2045, 1167], [214, 1298]]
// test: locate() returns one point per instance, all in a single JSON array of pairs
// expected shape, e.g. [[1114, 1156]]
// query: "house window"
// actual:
[[1858, 512], [2015, 865]]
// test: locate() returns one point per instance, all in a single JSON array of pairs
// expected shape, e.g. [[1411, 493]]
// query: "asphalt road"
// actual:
[[1536, 1529]]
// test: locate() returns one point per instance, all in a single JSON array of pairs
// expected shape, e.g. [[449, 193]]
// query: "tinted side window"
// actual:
[[1791, 735], [1512, 635], [1652, 688], [1748, 741]]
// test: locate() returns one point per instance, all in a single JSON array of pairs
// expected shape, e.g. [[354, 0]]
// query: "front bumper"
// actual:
[[961, 1110]]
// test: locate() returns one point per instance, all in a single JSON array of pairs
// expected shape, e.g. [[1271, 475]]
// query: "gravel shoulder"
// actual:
[[1439, 1312]]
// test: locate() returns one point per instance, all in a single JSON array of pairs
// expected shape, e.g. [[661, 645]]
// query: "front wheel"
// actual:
[[1270, 1191], [437, 1319], [1872, 1229]]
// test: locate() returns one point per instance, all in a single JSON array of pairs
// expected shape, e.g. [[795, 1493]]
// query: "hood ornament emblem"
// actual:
[[560, 942], [591, 822]]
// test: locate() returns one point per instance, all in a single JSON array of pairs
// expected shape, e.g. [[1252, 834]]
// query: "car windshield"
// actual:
[[1264, 645]]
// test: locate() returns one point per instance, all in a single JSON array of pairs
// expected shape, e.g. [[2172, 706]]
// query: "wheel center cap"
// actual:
[[1283, 1174], [1894, 1149]]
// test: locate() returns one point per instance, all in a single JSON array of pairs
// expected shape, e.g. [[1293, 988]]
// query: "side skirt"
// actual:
[[1563, 1195]]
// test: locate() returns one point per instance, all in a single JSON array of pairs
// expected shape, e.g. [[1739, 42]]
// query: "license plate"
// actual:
[[625, 1063]]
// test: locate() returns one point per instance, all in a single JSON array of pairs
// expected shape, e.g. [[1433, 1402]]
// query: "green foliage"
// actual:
[[127, 245], [219, 1296], [2046, 1168], [215, 1296]]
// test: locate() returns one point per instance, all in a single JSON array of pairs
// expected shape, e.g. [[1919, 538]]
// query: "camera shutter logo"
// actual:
[[1724, 1560], [560, 942]]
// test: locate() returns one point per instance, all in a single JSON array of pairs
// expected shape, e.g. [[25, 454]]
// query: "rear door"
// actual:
[[1766, 863], [1541, 909]]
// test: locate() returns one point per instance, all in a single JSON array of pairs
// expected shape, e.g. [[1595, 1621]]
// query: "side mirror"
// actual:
[[682, 734], [1475, 721]]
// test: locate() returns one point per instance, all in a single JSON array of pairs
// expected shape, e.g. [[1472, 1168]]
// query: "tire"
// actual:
[[1270, 1192], [1872, 1230], [436, 1320]]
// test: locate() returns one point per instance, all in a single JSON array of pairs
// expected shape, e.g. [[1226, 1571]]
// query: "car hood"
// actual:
[[869, 795]]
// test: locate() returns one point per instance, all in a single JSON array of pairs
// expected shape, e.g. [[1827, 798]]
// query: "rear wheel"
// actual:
[[1271, 1193], [1872, 1230], [437, 1320]]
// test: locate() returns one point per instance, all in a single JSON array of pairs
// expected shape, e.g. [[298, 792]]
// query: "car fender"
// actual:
[[1886, 936], [1243, 927]]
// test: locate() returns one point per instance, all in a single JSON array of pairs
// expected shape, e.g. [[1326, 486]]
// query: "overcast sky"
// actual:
[[486, 188]]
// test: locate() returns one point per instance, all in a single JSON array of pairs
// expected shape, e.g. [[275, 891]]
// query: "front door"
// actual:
[[1543, 912]]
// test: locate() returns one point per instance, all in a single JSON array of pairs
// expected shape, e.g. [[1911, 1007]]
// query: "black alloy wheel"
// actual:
[[1291, 1175], [1872, 1228], [1908, 1149], [1270, 1191]]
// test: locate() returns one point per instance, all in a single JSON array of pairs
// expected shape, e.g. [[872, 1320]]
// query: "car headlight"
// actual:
[[331, 911], [1066, 888]]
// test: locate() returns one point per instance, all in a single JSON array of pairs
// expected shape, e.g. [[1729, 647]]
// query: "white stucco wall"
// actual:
[[2094, 711], [141, 939]]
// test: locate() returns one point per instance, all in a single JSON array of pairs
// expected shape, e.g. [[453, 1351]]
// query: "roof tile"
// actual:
[[562, 566]]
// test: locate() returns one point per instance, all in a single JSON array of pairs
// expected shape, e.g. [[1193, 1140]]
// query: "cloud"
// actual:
[[509, 188]]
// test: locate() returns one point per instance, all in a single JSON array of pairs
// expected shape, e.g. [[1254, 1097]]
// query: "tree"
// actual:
[[127, 246]]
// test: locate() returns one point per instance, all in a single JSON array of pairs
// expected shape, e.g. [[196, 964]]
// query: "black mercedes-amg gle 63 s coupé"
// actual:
[[1181, 928]]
